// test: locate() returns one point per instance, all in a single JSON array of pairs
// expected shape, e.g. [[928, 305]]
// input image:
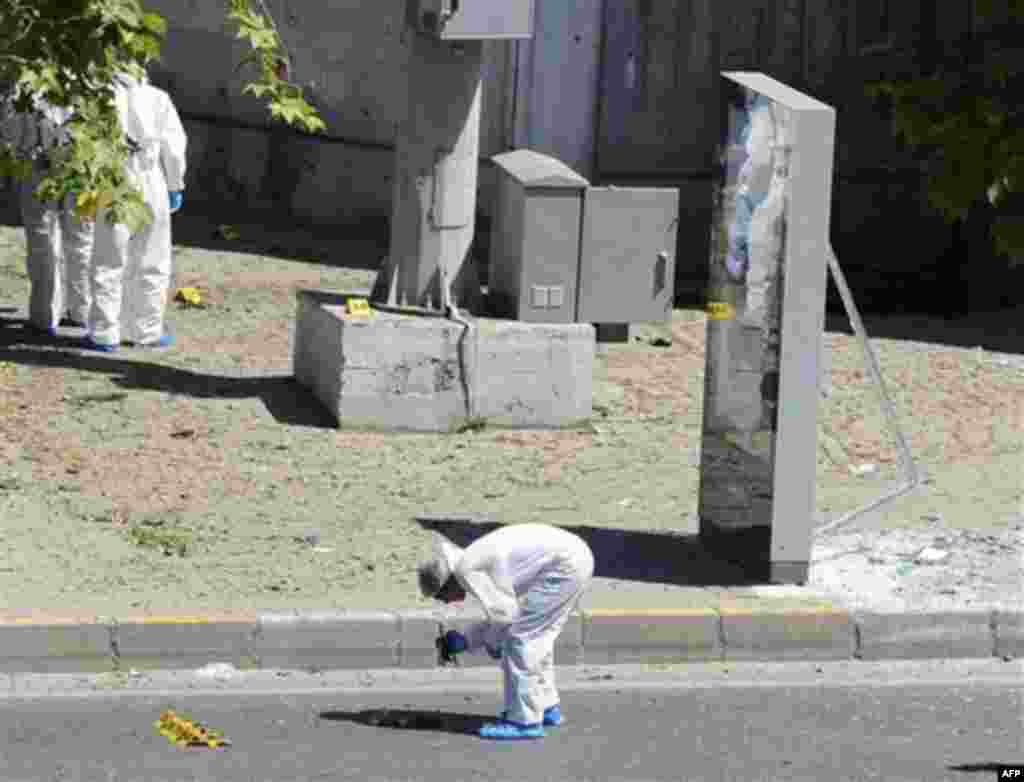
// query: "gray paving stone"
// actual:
[[1009, 634], [326, 640], [611, 637], [924, 636], [788, 635], [171, 646], [55, 648]]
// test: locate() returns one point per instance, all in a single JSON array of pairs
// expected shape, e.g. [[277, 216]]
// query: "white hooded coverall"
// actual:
[[59, 245], [131, 273], [528, 577]]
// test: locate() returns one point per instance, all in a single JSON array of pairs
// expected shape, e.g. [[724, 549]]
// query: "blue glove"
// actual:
[[176, 197], [455, 642]]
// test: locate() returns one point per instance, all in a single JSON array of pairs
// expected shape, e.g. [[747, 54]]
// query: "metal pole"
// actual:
[[913, 478]]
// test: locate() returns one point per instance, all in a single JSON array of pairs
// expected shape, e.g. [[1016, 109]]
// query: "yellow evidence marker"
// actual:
[[190, 297], [720, 310], [359, 308], [185, 733]]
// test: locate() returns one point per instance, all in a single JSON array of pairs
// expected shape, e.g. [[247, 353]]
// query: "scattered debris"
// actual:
[[221, 672], [931, 555], [864, 469], [229, 232], [186, 733], [312, 537]]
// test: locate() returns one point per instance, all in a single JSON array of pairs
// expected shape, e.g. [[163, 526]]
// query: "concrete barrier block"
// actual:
[[405, 372], [173, 642], [656, 636], [316, 328], [1009, 634], [55, 648], [536, 374], [790, 634], [924, 636], [328, 640]]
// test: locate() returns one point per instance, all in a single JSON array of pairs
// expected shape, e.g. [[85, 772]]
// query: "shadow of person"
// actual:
[[633, 555], [412, 719], [284, 397]]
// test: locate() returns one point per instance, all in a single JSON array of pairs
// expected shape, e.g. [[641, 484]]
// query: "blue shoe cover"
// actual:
[[164, 342], [510, 731], [88, 344], [552, 716]]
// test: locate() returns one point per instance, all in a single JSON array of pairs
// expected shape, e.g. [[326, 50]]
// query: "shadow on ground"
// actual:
[[285, 399], [1001, 331], [987, 768], [401, 719], [364, 245], [354, 247], [626, 555]]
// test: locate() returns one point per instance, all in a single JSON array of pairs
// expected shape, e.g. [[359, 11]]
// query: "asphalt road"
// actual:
[[828, 721]]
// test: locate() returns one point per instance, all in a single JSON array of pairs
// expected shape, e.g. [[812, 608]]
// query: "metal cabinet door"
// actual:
[[489, 19], [627, 260]]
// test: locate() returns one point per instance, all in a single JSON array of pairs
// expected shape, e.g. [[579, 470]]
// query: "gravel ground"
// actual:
[[203, 477]]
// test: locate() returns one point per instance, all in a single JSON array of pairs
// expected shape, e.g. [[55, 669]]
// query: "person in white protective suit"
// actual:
[[131, 273], [59, 245], [528, 577]]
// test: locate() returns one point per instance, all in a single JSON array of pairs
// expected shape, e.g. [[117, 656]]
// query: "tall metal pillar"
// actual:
[[434, 202]]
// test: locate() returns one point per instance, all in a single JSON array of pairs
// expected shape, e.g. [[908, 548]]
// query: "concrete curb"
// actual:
[[37, 642]]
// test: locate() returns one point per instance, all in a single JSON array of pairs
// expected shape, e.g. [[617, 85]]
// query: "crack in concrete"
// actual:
[[115, 646]]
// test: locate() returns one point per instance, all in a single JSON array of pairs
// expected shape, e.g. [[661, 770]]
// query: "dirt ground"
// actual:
[[203, 477]]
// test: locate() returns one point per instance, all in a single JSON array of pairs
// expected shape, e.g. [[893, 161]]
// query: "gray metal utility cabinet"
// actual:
[[565, 252], [454, 20]]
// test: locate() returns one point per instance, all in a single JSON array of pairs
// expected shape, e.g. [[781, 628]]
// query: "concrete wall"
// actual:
[[351, 57], [623, 91]]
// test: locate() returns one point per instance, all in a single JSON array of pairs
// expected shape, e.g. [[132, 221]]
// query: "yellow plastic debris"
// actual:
[[189, 296], [359, 308], [184, 732], [229, 232], [720, 310]]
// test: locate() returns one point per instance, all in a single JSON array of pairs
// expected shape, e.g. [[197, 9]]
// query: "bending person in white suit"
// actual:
[[528, 577], [131, 273]]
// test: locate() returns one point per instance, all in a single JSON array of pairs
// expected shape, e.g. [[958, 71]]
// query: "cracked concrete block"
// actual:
[[411, 372]]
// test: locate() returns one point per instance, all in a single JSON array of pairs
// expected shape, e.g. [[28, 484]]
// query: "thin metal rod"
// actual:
[[913, 478]]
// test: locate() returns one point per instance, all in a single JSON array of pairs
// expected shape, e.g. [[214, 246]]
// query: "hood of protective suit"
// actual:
[[444, 559]]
